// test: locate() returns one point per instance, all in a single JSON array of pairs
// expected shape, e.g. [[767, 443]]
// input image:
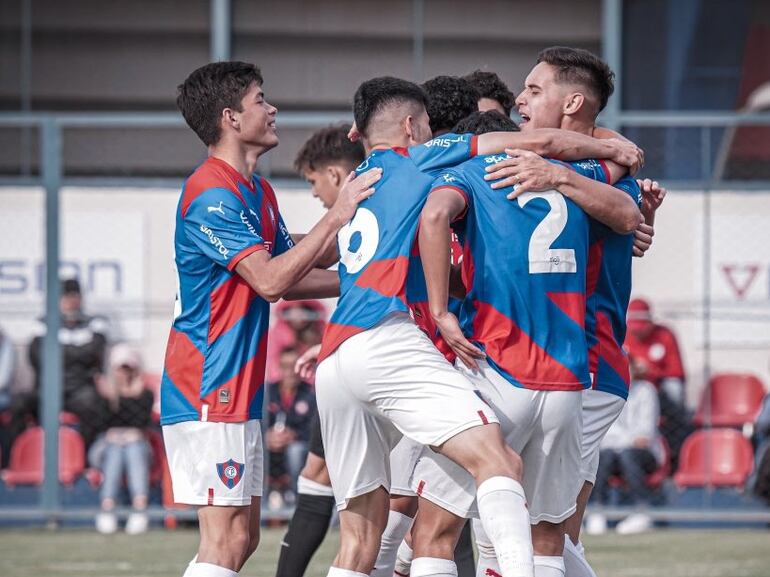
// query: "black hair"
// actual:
[[207, 91], [490, 85], [483, 122], [578, 66], [450, 99], [375, 94], [327, 146]]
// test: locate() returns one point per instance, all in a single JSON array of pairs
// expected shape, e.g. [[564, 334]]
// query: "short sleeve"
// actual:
[[218, 223], [629, 185], [454, 179], [443, 151]]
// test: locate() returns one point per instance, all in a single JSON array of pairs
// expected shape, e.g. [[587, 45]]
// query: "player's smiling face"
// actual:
[[257, 119], [540, 103]]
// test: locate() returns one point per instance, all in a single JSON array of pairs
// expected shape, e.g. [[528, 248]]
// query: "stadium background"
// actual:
[[91, 145]]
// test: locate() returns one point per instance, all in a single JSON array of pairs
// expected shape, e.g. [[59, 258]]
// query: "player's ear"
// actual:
[[336, 174], [573, 103], [409, 126], [230, 118]]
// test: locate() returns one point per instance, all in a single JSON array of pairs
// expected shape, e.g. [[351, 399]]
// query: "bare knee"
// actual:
[[548, 539], [482, 451], [361, 527], [404, 504], [227, 549]]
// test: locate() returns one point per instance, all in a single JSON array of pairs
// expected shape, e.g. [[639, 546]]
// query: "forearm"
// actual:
[[547, 142], [434, 252], [274, 277], [317, 284], [605, 203]]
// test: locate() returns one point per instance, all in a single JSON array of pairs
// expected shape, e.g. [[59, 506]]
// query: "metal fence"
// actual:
[[709, 248]]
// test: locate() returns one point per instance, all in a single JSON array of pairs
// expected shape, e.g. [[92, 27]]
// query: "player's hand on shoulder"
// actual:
[[356, 189], [525, 171], [450, 329], [627, 154], [307, 363]]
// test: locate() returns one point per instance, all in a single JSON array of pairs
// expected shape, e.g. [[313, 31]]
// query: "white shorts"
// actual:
[[544, 427], [403, 459], [214, 463], [600, 410], [381, 384]]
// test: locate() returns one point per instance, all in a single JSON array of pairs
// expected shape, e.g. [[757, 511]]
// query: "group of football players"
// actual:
[[474, 360]]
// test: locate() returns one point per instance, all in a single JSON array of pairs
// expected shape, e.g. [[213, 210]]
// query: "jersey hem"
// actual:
[[212, 418]]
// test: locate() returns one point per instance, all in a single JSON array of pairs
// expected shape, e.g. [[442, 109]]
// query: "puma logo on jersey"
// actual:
[[217, 208]]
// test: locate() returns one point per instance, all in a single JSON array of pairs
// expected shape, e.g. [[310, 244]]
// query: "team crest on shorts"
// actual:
[[230, 473]]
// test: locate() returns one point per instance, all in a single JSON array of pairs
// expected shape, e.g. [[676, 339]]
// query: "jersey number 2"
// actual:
[[543, 258]]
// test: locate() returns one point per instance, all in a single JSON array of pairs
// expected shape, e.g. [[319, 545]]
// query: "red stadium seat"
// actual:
[[26, 462], [714, 457], [734, 400]]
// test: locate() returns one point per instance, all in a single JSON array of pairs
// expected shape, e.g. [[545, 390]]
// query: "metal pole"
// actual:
[[25, 84], [418, 40], [612, 51], [220, 30], [50, 397], [705, 135]]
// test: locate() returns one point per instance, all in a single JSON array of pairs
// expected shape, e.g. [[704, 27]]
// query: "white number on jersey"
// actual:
[[543, 258], [364, 232]]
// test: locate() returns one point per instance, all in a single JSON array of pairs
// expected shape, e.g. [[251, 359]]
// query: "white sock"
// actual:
[[209, 570], [575, 563], [393, 535], [549, 566], [503, 512], [337, 572], [433, 567], [307, 486], [487, 565], [192, 562], [403, 560]]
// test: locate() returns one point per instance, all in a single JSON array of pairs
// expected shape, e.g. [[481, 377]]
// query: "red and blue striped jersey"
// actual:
[[215, 358], [377, 244], [524, 264], [609, 290]]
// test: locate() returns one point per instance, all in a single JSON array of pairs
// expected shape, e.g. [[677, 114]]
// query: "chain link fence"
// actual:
[[96, 193]]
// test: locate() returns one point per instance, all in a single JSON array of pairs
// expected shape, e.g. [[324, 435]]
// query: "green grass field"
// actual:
[[84, 553]]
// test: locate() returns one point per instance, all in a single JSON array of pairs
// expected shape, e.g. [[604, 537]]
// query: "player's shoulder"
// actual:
[[211, 183]]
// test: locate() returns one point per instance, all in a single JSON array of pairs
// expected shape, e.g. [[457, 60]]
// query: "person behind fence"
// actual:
[[631, 450], [291, 407], [122, 450], [7, 380], [299, 324], [83, 340]]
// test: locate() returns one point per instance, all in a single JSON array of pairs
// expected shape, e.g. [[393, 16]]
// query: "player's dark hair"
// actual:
[[375, 94], [483, 122], [209, 90], [490, 85], [328, 146], [450, 99], [578, 66]]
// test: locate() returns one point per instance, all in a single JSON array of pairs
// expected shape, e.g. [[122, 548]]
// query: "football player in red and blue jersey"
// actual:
[[524, 267], [234, 256], [380, 376], [567, 89]]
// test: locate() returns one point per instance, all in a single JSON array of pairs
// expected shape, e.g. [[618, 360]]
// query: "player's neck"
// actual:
[[577, 125], [244, 160], [385, 142]]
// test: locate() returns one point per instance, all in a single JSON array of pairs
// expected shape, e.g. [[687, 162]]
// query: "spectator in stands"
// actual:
[[632, 450], [83, 341], [299, 324], [125, 405], [656, 351], [494, 94], [7, 378], [291, 408]]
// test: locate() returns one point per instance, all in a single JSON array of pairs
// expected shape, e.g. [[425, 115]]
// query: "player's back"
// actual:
[[375, 247], [524, 264], [608, 292]]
